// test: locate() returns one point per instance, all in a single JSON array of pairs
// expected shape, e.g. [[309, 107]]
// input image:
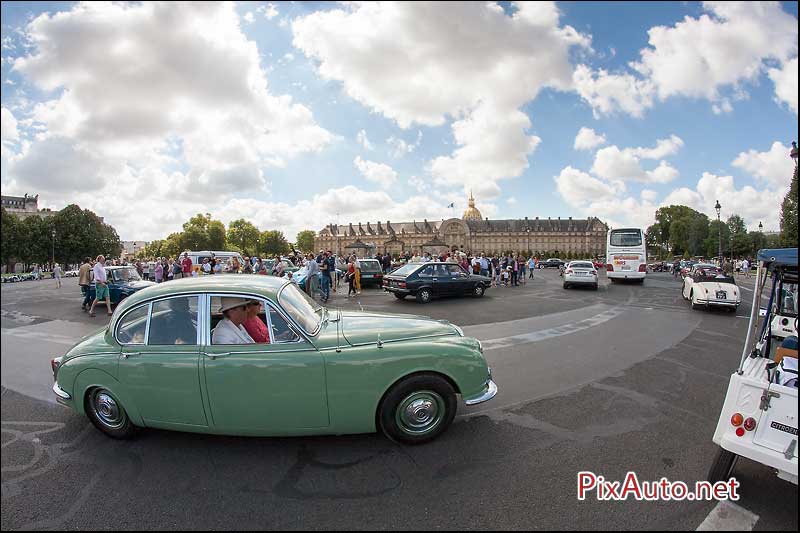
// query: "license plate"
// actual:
[[367, 276], [721, 295], [626, 268]]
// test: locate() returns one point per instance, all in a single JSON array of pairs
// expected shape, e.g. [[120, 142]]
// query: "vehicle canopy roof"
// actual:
[[778, 257]]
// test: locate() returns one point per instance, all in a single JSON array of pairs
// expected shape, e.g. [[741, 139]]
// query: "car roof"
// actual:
[[268, 286]]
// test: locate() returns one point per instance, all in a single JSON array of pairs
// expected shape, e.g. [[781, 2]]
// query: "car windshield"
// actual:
[[626, 237], [125, 274], [405, 270], [369, 265], [304, 310]]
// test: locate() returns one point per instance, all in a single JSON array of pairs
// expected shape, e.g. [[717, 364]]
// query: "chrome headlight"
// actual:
[[480, 349], [459, 330]]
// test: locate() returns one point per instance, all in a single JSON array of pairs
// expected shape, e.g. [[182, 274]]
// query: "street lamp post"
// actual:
[[53, 257], [719, 229], [760, 236]]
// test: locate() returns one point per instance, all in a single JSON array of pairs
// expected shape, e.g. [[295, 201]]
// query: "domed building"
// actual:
[[470, 233]]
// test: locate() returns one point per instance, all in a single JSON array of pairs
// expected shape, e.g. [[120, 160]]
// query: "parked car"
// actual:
[[371, 272], [552, 263], [426, 281], [123, 281], [580, 273], [709, 287], [323, 372], [71, 274], [288, 266]]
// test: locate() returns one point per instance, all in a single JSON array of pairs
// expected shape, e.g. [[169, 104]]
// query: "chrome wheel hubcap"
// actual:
[[107, 410], [420, 412]]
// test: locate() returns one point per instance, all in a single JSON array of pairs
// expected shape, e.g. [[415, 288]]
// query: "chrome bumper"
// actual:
[[61, 394], [491, 392]]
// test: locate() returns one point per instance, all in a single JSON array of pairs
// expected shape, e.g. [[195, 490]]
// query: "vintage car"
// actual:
[[434, 279], [553, 262], [758, 420], [123, 281], [322, 372], [708, 287]]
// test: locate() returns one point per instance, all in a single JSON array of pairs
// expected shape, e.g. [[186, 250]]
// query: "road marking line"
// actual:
[[566, 329], [49, 337], [727, 516]]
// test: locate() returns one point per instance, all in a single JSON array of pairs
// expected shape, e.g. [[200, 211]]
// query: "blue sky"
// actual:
[[261, 110]]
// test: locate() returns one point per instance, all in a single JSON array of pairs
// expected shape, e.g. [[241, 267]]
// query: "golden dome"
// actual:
[[472, 213]]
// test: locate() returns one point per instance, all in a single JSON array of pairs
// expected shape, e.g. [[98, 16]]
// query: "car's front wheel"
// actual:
[[479, 290], [108, 415], [418, 409], [424, 296]]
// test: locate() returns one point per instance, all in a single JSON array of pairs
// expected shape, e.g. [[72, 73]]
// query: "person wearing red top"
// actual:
[[254, 325], [186, 264]]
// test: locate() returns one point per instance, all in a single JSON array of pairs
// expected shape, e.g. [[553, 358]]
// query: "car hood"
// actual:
[[136, 284], [362, 327]]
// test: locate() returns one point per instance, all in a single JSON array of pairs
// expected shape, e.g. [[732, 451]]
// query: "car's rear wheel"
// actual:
[[694, 304], [566, 285], [418, 409], [723, 466], [594, 286], [108, 415], [424, 296], [400, 296], [479, 290]]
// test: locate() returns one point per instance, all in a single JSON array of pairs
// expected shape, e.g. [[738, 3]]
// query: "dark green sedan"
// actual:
[[176, 356]]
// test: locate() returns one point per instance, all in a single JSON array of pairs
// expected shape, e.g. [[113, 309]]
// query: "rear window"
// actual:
[[581, 265], [405, 270], [626, 237], [369, 266]]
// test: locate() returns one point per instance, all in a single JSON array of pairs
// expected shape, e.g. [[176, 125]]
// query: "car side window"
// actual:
[[426, 272], [441, 271], [132, 327], [455, 271], [174, 321], [281, 331]]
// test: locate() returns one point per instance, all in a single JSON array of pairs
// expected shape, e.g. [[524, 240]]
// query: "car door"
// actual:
[[264, 388], [460, 280], [158, 362], [442, 284]]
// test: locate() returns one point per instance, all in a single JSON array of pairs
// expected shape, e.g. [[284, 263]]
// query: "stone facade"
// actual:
[[24, 206], [583, 237]]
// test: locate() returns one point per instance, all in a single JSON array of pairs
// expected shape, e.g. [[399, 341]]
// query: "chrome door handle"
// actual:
[[128, 354], [213, 356]]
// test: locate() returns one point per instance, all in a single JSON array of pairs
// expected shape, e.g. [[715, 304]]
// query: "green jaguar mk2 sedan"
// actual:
[[175, 356]]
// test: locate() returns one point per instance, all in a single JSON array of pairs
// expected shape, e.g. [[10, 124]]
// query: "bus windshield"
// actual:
[[626, 237]]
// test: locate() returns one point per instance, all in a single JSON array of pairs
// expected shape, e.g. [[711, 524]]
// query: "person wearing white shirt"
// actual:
[[57, 275], [100, 285], [230, 329]]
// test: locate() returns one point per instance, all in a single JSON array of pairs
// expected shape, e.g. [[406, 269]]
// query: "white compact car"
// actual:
[[710, 287], [580, 273]]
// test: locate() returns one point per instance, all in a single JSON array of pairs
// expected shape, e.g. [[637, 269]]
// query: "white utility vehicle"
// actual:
[[759, 417]]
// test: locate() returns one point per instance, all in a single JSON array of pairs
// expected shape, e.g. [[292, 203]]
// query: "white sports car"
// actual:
[[707, 287]]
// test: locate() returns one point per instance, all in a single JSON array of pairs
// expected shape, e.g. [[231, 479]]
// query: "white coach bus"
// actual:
[[626, 256]]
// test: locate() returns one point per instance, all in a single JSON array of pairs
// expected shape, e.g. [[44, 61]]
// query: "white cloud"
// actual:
[[479, 71], [607, 93], [378, 173], [752, 205], [587, 139], [362, 139], [249, 17], [189, 73], [698, 56], [774, 166], [649, 195], [399, 147], [418, 183], [270, 11], [8, 126], [611, 163], [511, 201], [579, 188], [785, 80]]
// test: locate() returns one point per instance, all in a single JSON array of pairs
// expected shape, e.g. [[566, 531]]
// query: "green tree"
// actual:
[[10, 240], [712, 241], [243, 235], [739, 242], [273, 243], [789, 215], [34, 240], [81, 233], [305, 240], [201, 232], [679, 235], [698, 231]]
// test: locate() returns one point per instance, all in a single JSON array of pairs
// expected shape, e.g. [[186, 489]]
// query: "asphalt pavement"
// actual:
[[626, 378]]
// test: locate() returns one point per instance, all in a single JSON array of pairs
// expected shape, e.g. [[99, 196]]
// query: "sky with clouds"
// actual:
[[295, 115]]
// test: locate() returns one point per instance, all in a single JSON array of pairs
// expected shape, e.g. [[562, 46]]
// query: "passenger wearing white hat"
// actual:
[[230, 329]]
